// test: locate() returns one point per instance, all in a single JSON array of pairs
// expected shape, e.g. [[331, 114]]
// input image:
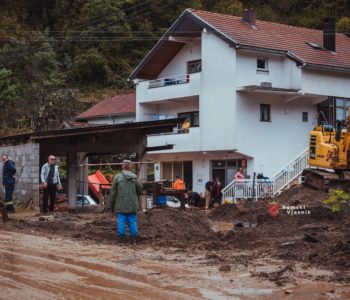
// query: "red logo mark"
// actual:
[[273, 209]]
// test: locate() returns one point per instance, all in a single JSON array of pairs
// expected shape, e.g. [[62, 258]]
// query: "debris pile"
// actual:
[[321, 238]]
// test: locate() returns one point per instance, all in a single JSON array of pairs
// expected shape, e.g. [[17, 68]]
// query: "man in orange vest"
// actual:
[[179, 184]]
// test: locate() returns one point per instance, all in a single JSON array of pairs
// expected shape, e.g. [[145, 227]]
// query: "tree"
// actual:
[[343, 25], [8, 100], [44, 99]]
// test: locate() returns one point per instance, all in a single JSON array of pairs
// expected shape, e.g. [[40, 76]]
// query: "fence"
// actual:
[[267, 188]]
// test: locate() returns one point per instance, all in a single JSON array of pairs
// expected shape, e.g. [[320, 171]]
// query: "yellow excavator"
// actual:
[[329, 155]]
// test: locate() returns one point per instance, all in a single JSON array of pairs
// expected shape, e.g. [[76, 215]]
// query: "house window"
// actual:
[[334, 109], [262, 64], [305, 116], [194, 66], [341, 111], [193, 117], [265, 115], [172, 169]]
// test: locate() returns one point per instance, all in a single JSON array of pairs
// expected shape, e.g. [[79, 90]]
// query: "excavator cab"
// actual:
[[329, 154]]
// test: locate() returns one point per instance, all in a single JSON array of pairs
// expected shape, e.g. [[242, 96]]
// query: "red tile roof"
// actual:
[[117, 105], [279, 37]]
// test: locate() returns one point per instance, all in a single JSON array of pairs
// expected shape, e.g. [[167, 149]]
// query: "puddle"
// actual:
[[221, 226]]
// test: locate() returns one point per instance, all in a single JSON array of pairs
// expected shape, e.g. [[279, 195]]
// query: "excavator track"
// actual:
[[325, 180]]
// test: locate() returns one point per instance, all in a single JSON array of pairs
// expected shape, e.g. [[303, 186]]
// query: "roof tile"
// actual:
[[120, 104], [280, 37]]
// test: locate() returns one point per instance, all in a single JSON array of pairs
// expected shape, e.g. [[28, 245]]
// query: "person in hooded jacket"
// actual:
[[124, 201]]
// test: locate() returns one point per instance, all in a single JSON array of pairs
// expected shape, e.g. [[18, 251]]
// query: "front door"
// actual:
[[188, 178]]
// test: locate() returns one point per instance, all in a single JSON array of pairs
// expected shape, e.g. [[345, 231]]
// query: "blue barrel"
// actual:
[[161, 200]]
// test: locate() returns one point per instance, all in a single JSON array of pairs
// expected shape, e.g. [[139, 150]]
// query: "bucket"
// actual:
[[161, 200], [149, 202], [228, 200]]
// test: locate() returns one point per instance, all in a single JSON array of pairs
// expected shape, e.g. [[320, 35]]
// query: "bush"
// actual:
[[338, 199]]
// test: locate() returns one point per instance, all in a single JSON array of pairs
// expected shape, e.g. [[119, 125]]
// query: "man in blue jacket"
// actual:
[[8, 181]]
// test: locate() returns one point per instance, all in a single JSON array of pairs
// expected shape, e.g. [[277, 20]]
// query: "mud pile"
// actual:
[[297, 195], [318, 237], [229, 212], [174, 227], [163, 227], [302, 195], [87, 226]]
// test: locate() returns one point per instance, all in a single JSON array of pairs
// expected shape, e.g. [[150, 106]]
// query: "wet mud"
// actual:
[[283, 256]]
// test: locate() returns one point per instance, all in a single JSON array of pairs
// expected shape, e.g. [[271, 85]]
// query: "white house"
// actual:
[[251, 90]]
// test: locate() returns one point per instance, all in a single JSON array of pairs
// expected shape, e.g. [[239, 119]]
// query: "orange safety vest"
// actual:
[[179, 184]]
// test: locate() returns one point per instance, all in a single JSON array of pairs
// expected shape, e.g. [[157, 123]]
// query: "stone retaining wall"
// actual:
[[26, 158]]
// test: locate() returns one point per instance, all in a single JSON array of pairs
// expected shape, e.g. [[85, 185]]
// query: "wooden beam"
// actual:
[[159, 148]]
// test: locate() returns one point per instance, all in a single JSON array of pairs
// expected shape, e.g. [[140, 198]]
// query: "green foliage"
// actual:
[[229, 7], [343, 25], [52, 50], [91, 66], [338, 199], [39, 85]]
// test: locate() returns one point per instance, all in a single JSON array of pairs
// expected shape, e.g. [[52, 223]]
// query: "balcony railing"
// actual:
[[180, 79], [183, 141]]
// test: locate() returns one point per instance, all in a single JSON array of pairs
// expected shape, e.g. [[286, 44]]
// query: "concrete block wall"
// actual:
[[26, 158]]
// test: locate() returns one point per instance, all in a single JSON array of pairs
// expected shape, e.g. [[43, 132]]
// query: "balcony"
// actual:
[[183, 142], [181, 86]]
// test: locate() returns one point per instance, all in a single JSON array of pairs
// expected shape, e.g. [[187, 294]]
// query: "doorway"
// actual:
[[226, 169]]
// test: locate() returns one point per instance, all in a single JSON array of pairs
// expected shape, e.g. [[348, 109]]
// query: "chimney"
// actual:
[[249, 16], [329, 34]]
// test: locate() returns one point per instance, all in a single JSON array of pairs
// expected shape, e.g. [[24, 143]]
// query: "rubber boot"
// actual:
[[121, 240], [133, 240]]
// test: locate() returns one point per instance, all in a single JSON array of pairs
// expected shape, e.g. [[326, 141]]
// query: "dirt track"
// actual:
[[36, 267], [180, 254]]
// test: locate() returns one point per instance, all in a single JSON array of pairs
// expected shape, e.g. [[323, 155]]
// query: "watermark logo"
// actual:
[[274, 209], [296, 210]]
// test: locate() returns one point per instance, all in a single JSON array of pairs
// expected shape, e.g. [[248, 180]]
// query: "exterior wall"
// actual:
[[217, 100], [201, 164], [178, 65], [322, 83], [26, 158], [272, 144], [143, 112], [113, 119], [282, 71]]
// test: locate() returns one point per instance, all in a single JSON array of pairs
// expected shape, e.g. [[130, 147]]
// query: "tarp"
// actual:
[[96, 181]]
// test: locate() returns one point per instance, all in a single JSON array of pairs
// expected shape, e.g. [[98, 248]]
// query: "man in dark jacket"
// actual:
[[8, 181], [124, 201]]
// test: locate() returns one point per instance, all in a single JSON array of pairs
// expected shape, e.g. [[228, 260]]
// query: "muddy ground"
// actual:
[[319, 239]]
